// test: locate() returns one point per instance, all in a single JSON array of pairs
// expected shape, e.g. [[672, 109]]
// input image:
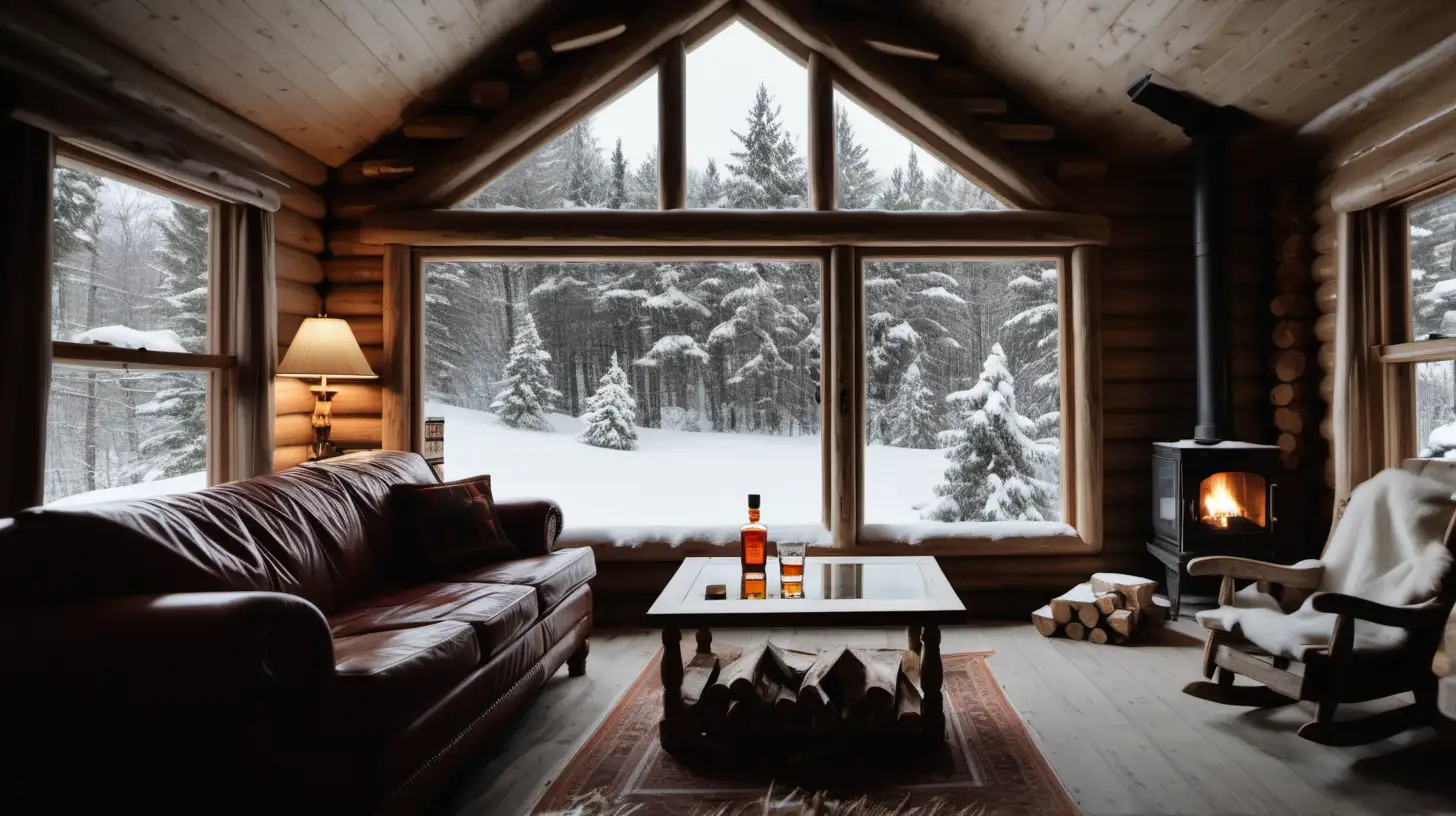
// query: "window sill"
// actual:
[[646, 544]]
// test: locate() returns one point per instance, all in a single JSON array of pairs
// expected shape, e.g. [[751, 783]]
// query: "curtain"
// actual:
[[1360, 329], [255, 338], [27, 158]]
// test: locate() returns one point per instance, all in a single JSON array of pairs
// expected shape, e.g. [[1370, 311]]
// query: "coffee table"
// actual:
[[909, 591]]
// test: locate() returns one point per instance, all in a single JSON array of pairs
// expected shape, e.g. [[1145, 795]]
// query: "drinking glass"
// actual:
[[791, 569]]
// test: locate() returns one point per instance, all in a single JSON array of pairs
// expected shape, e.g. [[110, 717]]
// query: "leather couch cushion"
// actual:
[[554, 576], [499, 613], [384, 677]]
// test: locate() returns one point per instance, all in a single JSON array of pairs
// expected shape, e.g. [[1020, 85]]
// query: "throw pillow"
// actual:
[[452, 524]]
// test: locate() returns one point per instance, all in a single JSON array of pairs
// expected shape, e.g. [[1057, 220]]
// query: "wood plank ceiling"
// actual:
[[1284, 61], [329, 76], [333, 76]]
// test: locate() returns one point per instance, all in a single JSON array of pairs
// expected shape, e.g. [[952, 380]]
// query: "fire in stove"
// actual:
[[1232, 500]]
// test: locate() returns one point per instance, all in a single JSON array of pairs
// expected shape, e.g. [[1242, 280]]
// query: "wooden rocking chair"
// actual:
[[1336, 673]]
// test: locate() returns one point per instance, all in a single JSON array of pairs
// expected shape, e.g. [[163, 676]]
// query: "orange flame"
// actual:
[[1219, 503]]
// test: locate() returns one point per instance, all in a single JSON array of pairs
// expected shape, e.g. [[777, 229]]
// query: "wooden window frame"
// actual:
[[219, 362], [839, 240]]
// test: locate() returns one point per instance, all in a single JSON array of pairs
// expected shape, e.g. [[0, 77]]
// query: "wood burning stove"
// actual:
[[1218, 499]]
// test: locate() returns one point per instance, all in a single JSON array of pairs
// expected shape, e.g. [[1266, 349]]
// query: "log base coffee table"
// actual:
[[838, 591]]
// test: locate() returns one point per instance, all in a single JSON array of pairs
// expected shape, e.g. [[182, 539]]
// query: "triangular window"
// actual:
[[607, 160], [747, 113], [880, 169]]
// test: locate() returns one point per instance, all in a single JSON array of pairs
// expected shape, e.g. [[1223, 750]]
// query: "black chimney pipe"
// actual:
[[1211, 128]]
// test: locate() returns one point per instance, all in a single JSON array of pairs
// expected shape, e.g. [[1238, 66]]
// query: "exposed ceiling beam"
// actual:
[[463, 168], [59, 46], [995, 166]]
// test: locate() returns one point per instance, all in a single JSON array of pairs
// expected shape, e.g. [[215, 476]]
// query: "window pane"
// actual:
[[545, 372], [962, 402], [131, 266], [113, 434], [1436, 409], [605, 161], [747, 111], [880, 169], [1433, 271]]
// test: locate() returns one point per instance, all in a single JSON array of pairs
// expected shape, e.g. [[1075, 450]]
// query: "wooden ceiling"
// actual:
[[1284, 61], [329, 76], [333, 76]]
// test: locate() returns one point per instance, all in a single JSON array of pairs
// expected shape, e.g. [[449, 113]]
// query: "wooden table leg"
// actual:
[[914, 636], [670, 730], [705, 641], [932, 674]]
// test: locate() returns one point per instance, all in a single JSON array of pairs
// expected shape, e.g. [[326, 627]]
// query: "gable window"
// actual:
[[136, 356]]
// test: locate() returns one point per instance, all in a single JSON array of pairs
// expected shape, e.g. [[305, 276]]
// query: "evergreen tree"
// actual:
[[642, 192], [175, 419], [76, 197], [762, 327], [710, 188], [528, 394], [992, 461], [912, 419], [1433, 267], [1031, 338], [617, 198], [855, 182], [611, 413], [580, 167], [769, 173]]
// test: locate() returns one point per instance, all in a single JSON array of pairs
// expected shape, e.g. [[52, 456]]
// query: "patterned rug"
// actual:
[[990, 762]]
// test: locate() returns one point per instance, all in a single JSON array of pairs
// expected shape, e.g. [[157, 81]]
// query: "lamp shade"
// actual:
[[325, 347]]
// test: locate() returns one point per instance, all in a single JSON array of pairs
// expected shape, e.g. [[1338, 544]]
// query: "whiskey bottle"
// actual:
[[753, 557]]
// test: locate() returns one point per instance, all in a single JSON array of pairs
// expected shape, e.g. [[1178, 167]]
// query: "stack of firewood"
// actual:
[[767, 689], [1107, 609]]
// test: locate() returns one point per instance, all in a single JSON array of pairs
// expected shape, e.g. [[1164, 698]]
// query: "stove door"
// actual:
[[1167, 501]]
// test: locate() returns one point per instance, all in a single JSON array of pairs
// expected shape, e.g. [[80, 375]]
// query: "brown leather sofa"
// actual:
[[269, 644]]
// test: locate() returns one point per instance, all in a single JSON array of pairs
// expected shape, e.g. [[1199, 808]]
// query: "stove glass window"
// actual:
[[1232, 501], [1167, 487]]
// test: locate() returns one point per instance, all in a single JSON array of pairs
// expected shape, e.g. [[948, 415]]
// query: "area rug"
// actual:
[[990, 764]]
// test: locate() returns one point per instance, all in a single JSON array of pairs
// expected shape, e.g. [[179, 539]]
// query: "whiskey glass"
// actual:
[[791, 569]]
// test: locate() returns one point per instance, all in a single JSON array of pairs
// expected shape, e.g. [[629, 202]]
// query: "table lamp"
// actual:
[[324, 347]]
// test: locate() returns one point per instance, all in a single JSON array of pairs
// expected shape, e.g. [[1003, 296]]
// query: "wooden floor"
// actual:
[[1112, 721]]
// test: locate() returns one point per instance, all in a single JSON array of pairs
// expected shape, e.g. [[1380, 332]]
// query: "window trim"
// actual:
[[219, 361]]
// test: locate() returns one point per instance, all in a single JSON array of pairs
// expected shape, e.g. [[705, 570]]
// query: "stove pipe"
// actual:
[[1211, 129]]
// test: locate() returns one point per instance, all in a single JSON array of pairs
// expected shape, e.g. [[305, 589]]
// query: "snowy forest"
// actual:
[[130, 269], [961, 357], [1433, 287]]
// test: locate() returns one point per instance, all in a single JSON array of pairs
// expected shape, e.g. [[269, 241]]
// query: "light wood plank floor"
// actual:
[[1113, 722]]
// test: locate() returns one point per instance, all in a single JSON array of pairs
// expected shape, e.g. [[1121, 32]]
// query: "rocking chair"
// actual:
[[1332, 665]]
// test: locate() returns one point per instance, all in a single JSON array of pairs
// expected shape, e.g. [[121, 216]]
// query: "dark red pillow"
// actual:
[[451, 524]]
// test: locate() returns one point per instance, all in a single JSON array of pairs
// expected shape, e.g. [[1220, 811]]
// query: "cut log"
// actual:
[[1089, 615], [1324, 328], [1097, 635], [370, 170], [1045, 624], [1135, 591], [1286, 393], [585, 34], [1289, 365], [699, 675], [1109, 602], [881, 673], [490, 94], [1290, 334], [1292, 305], [1288, 443], [736, 680], [1154, 614], [1291, 420], [530, 64], [1064, 606], [908, 705], [1075, 631], [1123, 621]]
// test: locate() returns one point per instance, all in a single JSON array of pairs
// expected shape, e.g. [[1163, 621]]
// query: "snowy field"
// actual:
[[675, 477], [141, 490]]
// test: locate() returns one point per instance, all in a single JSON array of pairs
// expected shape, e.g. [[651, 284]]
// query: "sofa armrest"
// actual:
[[1304, 575], [532, 525], [156, 665]]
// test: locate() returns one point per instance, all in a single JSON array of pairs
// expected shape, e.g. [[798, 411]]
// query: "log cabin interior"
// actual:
[[1097, 352]]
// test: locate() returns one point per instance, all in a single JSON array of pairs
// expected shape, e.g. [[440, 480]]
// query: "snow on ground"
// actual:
[[679, 478], [141, 490], [126, 337]]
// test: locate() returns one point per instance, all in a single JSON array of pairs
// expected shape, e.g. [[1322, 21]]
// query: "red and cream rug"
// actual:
[[990, 766]]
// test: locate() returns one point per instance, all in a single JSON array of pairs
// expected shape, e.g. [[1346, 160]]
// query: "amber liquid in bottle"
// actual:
[[753, 537]]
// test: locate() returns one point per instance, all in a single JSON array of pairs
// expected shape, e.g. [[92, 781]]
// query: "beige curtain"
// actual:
[[1359, 401], [255, 338], [26, 160]]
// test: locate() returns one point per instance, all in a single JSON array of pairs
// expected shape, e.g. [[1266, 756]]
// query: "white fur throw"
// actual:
[[1389, 547]]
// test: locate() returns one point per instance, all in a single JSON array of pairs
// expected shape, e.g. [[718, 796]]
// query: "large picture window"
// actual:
[[133, 287]]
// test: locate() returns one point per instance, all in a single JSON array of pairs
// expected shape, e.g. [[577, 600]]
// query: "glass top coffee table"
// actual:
[[909, 591]]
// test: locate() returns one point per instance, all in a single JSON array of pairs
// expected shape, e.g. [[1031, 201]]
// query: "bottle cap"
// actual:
[[752, 501]]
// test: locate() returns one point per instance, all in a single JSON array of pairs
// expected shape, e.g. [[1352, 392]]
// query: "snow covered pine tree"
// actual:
[[993, 461], [175, 419], [911, 418], [611, 413], [528, 394]]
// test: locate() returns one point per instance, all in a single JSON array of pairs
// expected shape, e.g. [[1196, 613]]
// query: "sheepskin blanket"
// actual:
[[1389, 547]]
